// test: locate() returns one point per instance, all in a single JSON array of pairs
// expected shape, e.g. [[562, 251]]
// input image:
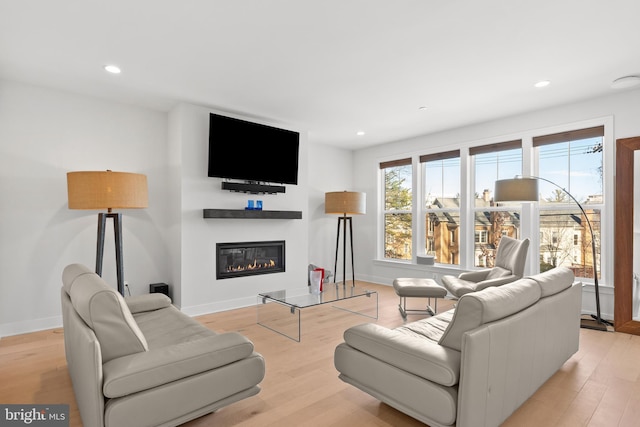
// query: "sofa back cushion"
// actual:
[[554, 281], [104, 310], [491, 304]]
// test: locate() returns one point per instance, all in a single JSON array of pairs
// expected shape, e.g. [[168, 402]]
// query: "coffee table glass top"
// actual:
[[281, 310], [331, 293]]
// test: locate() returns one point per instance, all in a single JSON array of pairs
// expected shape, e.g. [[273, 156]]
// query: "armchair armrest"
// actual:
[[475, 276], [147, 302], [149, 369], [418, 356]]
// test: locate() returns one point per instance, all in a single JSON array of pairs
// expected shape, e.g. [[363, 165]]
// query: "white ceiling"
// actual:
[[332, 67]]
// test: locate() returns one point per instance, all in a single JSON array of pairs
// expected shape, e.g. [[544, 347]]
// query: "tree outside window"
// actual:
[[397, 210]]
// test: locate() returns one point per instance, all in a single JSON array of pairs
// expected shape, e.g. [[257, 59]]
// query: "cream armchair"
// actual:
[[141, 362], [509, 267]]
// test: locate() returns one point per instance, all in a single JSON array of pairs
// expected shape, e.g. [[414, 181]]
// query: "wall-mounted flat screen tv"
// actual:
[[243, 150]]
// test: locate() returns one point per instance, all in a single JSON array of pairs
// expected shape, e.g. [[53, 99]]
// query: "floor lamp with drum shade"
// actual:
[[98, 190], [345, 203]]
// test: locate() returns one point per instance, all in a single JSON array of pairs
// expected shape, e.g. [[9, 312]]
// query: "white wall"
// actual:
[[201, 292], [43, 135], [330, 169], [624, 107]]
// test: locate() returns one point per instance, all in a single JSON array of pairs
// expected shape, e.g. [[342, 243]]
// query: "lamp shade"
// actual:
[[106, 190], [345, 203], [516, 190]]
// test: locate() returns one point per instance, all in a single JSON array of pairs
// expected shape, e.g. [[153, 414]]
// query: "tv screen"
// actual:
[[248, 151]]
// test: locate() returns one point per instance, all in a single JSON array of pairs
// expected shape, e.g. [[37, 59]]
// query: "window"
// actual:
[[481, 236], [397, 182], [492, 162], [442, 204], [441, 184], [572, 162]]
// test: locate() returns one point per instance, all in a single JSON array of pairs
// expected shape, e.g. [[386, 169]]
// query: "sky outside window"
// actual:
[[491, 167], [575, 166]]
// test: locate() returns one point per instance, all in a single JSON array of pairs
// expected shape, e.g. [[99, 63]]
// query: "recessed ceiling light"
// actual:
[[542, 83], [625, 82], [360, 133], [113, 69]]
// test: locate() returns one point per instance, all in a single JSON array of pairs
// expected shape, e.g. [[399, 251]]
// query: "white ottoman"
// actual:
[[408, 287]]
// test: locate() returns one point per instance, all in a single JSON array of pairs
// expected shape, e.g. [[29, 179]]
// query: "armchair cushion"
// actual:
[[418, 356], [512, 254], [497, 272], [509, 267], [142, 371]]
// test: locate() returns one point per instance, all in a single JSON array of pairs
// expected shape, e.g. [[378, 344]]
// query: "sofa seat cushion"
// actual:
[[416, 355], [491, 304], [168, 326], [142, 371], [430, 328]]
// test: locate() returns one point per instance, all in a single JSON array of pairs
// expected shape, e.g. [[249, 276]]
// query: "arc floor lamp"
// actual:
[[525, 189], [345, 203], [107, 190]]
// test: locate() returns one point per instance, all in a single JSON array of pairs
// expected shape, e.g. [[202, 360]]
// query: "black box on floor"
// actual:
[[159, 288]]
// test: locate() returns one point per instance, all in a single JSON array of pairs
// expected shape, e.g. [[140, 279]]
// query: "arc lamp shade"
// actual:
[[106, 190], [516, 190], [345, 203]]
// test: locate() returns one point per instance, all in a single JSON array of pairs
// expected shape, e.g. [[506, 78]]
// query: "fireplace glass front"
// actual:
[[249, 258]]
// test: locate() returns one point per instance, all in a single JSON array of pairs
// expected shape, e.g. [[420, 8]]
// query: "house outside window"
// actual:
[[398, 205], [441, 186], [492, 162], [573, 160]]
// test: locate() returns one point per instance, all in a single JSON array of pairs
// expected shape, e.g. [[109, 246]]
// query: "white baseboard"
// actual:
[[27, 326]]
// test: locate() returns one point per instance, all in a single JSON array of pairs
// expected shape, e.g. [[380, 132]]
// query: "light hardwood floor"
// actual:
[[598, 386]]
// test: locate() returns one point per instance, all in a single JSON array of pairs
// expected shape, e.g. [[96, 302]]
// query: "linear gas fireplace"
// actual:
[[249, 258]]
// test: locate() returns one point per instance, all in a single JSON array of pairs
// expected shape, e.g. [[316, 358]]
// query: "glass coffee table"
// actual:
[[281, 311]]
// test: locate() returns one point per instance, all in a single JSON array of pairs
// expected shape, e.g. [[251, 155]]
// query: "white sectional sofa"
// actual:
[[139, 361], [473, 365]]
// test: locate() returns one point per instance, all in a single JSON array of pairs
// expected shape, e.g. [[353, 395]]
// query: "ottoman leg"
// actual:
[[435, 304], [403, 309]]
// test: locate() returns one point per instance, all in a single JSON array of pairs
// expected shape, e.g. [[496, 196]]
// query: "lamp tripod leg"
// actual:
[[353, 270], [335, 264], [344, 252], [102, 222], [117, 228]]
